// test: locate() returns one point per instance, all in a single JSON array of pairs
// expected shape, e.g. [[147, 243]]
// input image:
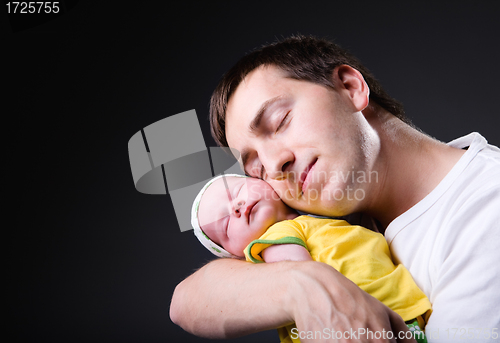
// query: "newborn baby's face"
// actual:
[[238, 211]]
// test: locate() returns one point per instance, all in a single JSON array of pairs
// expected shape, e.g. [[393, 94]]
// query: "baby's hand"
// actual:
[[286, 252]]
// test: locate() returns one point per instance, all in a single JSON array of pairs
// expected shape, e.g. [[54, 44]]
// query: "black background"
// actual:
[[91, 259]]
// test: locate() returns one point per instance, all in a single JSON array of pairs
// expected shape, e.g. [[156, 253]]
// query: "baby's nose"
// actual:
[[239, 204]]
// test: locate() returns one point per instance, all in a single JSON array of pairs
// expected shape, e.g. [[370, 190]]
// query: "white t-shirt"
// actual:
[[450, 242]]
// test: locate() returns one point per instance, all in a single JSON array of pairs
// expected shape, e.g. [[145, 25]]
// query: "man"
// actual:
[[313, 122]]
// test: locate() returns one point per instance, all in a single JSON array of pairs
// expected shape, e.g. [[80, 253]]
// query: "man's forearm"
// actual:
[[228, 298]]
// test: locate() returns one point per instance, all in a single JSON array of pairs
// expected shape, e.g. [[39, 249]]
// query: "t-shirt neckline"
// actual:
[[475, 143]]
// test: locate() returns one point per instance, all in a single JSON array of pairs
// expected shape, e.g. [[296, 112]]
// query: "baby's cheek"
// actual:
[[243, 245], [266, 218]]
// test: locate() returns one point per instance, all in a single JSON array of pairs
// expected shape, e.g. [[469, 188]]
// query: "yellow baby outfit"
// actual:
[[359, 254]]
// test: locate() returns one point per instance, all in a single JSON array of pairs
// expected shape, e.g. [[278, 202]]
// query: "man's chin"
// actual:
[[325, 208]]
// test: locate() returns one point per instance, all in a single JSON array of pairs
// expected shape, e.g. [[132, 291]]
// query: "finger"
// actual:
[[401, 332]]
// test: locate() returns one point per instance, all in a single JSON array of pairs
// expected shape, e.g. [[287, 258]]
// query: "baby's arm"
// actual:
[[286, 252]]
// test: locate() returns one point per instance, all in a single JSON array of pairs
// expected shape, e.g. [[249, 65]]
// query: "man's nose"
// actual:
[[277, 163]]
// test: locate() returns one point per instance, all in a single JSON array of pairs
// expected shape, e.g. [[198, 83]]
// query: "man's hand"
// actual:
[[321, 304]]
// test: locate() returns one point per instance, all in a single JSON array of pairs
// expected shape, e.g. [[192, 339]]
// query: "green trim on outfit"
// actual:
[[284, 240], [418, 333]]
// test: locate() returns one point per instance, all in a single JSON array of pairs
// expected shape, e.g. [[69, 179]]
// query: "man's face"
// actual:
[[310, 143]]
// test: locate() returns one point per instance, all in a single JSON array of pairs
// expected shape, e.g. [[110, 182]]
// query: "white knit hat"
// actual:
[[202, 237]]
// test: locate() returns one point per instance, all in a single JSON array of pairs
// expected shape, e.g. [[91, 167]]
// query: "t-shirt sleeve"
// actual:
[[284, 232]]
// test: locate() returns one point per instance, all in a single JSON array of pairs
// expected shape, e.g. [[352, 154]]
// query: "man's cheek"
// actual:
[[289, 197]]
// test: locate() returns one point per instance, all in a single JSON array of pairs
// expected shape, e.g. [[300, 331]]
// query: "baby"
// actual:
[[237, 216]]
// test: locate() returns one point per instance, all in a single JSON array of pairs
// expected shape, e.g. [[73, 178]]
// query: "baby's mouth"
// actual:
[[249, 210]]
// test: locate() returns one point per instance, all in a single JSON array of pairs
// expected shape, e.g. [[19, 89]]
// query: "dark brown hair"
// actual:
[[302, 58]]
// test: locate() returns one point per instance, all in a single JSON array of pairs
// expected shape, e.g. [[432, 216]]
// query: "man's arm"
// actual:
[[229, 298]]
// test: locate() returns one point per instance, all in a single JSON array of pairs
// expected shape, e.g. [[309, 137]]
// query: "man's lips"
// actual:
[[305, 177]]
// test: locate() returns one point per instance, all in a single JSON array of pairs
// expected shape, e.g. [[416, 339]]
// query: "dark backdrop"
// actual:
[[91, 259]]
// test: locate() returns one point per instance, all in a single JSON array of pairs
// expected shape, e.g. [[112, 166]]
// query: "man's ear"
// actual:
[[350, 79]]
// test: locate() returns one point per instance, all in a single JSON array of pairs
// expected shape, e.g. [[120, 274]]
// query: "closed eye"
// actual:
[[283, 122]]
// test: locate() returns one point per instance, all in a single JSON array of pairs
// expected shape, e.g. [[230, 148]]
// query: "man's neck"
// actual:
[[410, 165]]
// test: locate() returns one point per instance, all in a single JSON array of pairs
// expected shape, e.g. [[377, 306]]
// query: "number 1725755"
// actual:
[[33, 7]]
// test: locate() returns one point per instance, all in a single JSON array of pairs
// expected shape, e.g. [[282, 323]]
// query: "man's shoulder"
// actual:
[[481, 165], [483, 172], [478, 147]]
